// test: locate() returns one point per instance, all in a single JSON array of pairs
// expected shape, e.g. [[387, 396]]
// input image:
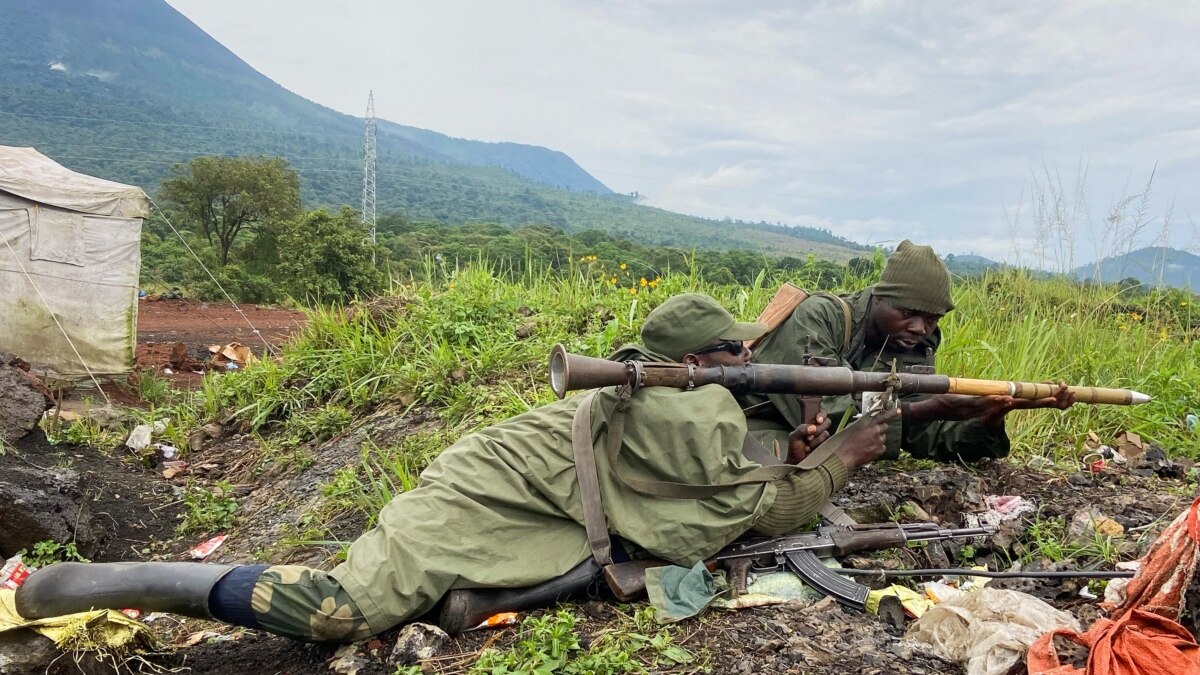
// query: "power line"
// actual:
[[177, 125]]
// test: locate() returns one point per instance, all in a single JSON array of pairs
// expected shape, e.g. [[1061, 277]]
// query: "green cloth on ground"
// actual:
[[501, 507], [819, 323], [678, 593]]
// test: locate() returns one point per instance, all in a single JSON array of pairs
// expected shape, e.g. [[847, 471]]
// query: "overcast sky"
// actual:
[[935, 121]]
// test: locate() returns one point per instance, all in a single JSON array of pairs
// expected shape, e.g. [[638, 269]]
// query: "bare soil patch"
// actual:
[[164, 325]]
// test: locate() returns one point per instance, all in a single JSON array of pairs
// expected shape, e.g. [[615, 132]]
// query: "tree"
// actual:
[[226, 196], [327, 257]]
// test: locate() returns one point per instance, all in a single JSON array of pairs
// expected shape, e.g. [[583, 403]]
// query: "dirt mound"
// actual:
[[119, 510]]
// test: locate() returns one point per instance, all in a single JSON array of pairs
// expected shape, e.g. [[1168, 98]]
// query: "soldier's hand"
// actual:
[[990, 410], [806, 437], [865, 440]]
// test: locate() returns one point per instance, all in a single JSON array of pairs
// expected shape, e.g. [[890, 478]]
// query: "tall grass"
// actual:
[[472, 347]]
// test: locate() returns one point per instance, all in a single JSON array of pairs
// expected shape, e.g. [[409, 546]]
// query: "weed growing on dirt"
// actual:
[[48, 552], [208, 510], [1049, 539], [552, 644], [151, 388]]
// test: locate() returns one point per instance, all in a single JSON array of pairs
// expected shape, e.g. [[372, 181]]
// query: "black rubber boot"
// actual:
[[66, 588], [468, 607]]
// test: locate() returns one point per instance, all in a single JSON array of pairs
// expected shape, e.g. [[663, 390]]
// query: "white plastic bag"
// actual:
[[987, 632]]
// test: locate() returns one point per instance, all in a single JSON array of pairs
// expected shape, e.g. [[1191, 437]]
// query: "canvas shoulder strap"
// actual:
[[594, 521], [847, 319]]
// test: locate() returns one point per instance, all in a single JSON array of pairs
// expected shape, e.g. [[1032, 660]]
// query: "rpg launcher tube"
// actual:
[[569, 372]]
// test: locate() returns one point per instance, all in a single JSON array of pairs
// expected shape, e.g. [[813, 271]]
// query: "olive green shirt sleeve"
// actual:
[[817, 325], [798, 498]]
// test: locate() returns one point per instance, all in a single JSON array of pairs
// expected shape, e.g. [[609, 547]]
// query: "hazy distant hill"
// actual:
[[126, 88], [1153, 266], [970, 265]]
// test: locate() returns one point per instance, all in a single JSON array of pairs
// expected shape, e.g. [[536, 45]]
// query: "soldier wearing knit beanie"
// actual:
[[891, 324], [915, 278]]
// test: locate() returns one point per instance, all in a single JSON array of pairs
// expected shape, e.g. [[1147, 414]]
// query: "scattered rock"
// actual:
[[36, 505], [417, 642], [346, 661], [1080, 479], [23, 401], [24, 652], [1086, 524], [524, 311]]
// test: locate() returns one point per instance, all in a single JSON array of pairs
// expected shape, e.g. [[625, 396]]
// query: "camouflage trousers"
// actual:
[[306, 604]]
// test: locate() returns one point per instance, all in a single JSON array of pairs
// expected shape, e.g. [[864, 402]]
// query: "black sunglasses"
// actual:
[[734, 347]]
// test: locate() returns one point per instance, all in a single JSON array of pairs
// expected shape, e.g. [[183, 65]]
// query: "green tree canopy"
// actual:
[[225, 196], [328, 257]]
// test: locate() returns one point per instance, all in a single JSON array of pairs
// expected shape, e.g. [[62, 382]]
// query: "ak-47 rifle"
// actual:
[[569, 372], [799, 554]]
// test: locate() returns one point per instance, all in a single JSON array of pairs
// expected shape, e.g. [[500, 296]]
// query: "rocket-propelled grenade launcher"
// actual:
[[569, 372]]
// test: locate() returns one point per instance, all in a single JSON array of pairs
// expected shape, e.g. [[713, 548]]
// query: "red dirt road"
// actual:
[[197, 323], [165, 324]]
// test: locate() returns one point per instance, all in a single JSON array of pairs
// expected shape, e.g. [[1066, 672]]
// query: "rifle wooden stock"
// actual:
[[569, 372], [627, 580], [782, 304]]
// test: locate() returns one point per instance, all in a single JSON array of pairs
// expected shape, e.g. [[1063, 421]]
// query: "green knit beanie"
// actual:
[[915, 278]]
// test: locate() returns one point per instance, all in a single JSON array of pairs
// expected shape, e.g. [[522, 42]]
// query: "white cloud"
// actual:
[[880, 119]]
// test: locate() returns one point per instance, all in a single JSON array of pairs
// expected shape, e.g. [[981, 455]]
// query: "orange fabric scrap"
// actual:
[[1142, 637]]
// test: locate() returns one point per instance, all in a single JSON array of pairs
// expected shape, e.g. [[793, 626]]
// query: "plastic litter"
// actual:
[[139, 438], [988, 631], [1142, 635], [168, 451], [497, 621], [14, 573], [914, 604], [206, 548]]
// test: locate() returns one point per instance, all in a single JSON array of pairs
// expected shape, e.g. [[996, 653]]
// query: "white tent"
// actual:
[[69, 262]]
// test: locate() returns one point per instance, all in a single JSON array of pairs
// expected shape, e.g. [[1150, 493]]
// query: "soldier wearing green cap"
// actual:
[[897, 318], [503, 508]]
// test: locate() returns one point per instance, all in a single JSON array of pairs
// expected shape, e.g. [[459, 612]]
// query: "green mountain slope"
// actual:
[[124, 89]]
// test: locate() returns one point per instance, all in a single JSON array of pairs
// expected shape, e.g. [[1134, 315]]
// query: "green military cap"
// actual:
[[915, 278], [691, 321]]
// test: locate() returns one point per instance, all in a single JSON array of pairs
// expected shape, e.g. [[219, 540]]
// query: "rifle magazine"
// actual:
[[809, 568]]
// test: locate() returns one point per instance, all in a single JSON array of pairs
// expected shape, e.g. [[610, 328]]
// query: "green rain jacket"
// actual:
[[501, 507], [819, 322]]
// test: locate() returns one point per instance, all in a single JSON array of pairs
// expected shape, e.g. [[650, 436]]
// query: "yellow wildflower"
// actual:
[[633, 291], [1163, 335], [1135, 316], [643, 281], [612, 280], [624, 266], [653, 283]]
